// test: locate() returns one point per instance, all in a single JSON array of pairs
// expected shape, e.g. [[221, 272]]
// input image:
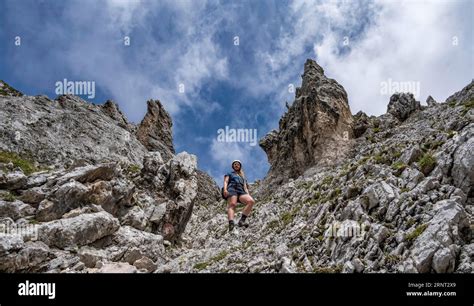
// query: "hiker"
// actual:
[[236, 190]]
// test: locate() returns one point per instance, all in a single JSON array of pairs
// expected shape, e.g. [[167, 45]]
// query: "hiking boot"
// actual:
[[243, 223], [231, 226]]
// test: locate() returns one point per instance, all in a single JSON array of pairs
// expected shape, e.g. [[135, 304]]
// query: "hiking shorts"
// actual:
[[235, 191]]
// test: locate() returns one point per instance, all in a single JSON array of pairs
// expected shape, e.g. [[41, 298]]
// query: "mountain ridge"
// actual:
[[344, 193]]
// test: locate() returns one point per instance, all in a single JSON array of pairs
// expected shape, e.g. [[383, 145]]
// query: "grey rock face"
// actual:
[[112, 110], [78, 231], [315, 130], [434, 248], [58, 132], [430, 101], [397, 219], [462, 96], [128, 240], [15, 209], [154, 132], [12, 180], [146, 264], [10, 243], [361, 123], [117, 267], [32, 254], [183, 184], [102, 191], [411, 155], [371, 211], [401, 105], [463, 163]]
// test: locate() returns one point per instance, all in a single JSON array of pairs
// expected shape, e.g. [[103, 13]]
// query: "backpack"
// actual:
[[222, 193]]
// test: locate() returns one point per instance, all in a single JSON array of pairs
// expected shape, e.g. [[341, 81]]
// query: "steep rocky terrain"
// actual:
[[345, 193], [400, 201], [82, 189]]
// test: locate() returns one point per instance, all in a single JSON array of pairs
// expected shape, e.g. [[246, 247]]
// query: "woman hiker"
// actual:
[[236, 189]]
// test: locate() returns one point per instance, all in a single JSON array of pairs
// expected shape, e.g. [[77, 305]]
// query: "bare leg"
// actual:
[[249, 202], [232, 202]]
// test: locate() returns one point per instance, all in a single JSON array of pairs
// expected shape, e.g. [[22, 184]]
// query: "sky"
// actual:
[[217, 64]]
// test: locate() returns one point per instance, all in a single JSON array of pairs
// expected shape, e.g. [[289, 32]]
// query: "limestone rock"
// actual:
[[154, 132], [316, 129], [401, 105], [78, 231]]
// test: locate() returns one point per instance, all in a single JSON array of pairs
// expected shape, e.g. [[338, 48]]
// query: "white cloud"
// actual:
[[158, 67], [411, 41], [403, 41]]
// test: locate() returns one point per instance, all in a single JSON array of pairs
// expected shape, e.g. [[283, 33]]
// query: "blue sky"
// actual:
[[361, 44]]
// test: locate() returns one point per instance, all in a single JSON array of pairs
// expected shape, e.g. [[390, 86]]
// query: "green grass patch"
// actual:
[[398, 166], [25, 164], [133, 169], [371, 139], [416, 233], [452, 104], [379, 158], [451, 134], [201, 266], [273, 224], [393, 259], [9, 197], [336, 269], [427, 163], [335, 193], [327, 180], [363, 160], [314, 199], [288, 216], [220, 256], [404, 189], [397, 154]]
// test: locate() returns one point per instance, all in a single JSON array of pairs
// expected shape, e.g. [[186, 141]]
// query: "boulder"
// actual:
[[78, 231], [401, 105]]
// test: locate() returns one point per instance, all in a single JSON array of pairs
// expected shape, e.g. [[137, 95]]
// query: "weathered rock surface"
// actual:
[[377, 209], [59, 132], [316, 130], [154, 132], [401, 105]]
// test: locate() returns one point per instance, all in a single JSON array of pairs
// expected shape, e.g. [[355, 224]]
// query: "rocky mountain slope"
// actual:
[[344, 193], [82, 189]]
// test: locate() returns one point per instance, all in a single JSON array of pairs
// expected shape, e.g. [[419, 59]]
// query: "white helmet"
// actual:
[[238, 161]]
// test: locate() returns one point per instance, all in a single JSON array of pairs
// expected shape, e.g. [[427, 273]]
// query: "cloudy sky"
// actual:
[[234, 63]]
